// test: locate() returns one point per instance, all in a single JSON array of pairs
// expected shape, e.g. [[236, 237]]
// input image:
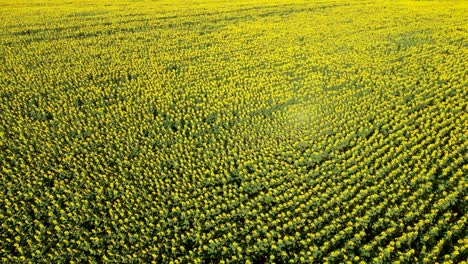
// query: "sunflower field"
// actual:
[[216, 131]]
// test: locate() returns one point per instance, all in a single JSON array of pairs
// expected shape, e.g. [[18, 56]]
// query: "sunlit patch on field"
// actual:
[[303, 117]]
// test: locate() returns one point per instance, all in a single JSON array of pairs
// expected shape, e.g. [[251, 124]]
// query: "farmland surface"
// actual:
[[220, 131]]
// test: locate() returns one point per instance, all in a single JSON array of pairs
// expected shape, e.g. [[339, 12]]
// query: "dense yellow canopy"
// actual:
[[233, 131]]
